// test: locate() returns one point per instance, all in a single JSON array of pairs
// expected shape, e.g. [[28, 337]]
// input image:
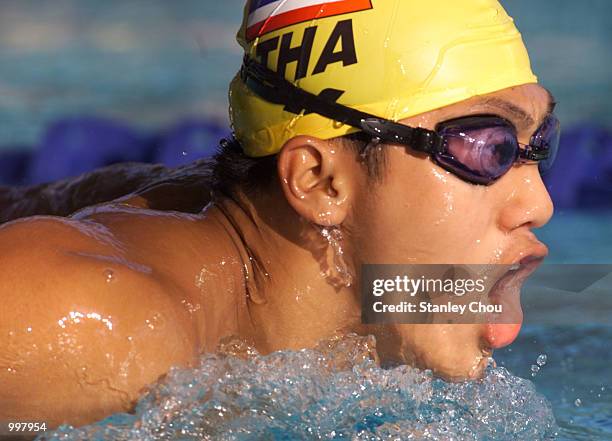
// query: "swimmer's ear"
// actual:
[[314, 179]]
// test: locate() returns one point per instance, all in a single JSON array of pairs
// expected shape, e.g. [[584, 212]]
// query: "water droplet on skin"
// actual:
[[109, 276], [498, 254], [199, 278], [440, 176], [190, 307], [333, 235]]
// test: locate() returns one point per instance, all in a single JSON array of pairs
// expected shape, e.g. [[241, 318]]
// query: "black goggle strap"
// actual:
[[275, 89], [539, 148], [531, 154]]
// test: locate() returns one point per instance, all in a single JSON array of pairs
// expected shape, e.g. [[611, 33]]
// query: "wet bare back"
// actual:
[[185, 188]]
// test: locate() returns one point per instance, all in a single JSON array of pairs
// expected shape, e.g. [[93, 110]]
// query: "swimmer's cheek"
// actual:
[[75, 347]]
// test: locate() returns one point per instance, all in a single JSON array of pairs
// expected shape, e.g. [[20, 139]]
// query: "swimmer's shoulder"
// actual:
[[169, 239], [154, 257], [38, 235], [78, 262], [175, 243], [89, 309]]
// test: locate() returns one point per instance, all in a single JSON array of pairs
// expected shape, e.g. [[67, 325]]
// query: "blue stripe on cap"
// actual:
[[256, 4]]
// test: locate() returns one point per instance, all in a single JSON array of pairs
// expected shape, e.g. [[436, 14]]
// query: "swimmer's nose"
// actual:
[[526, 201]]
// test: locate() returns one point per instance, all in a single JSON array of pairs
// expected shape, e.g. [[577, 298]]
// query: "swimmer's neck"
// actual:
[[289, 304]]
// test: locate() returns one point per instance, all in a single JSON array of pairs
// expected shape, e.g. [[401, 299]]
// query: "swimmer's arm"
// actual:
[[141, 185]]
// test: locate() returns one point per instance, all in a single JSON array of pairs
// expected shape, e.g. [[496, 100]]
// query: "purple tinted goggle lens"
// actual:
[[481, 149]]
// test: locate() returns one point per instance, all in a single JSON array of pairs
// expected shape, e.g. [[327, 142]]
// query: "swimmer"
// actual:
[[382, 131]]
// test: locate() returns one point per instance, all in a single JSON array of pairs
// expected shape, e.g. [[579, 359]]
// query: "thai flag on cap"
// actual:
[[269, 15]]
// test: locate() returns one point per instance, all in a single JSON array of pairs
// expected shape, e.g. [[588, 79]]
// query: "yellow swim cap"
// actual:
[[389, 58]]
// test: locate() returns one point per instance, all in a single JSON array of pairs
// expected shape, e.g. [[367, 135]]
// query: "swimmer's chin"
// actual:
[[467, 366], [469, 372]]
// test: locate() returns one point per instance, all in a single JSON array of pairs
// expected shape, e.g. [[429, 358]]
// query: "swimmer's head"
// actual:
[[420, 66], [390, 58]]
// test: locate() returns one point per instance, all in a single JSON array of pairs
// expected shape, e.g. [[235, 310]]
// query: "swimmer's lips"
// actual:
[[506, 292]]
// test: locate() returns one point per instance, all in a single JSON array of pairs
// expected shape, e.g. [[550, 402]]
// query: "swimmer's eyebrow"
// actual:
[[521, 116]]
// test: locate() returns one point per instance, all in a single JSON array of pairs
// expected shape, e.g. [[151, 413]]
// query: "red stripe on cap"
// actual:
[[301, 15]]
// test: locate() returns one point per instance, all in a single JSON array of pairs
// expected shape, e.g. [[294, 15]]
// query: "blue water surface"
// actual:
[[334, 391], [576, 376]]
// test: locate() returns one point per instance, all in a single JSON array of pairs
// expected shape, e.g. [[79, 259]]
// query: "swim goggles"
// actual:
[[479, 149]]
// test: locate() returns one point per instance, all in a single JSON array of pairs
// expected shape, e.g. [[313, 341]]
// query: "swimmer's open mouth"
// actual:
[[514, 277], [503, 328]]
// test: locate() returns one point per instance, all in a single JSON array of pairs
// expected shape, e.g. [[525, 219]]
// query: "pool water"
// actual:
[[554, 382], [337, 392], [576, 377], [333, 392]]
